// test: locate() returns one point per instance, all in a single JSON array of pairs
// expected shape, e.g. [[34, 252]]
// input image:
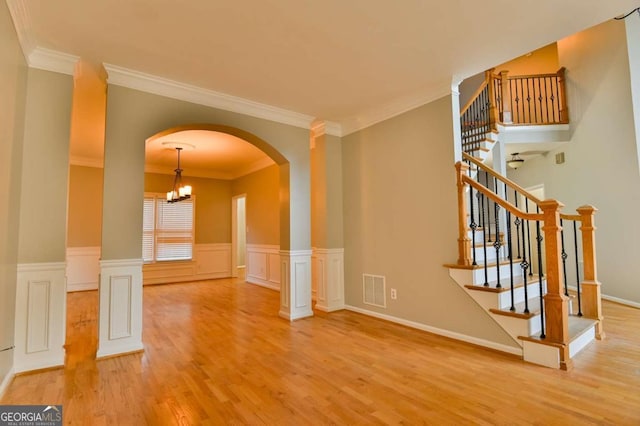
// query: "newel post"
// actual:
[[506, 97], [562, 94], [556, 304], [464, 242], [591, 302], [493, 113]]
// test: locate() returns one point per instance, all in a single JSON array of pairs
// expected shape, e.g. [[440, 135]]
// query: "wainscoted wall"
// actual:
[[40, 316], [210, 261], [83, 268], [263, 265]]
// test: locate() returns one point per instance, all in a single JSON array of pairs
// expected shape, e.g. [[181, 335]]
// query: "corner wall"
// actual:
[[13, 79], [400, 222], [601, 165]]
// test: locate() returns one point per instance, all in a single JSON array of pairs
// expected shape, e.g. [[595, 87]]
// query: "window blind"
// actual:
[[167, 230]]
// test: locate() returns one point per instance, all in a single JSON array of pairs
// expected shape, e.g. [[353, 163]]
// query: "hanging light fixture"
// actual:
[[179, 192], [515, 161]]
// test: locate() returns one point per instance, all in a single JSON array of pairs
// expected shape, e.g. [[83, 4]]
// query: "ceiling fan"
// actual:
[[516, 161]]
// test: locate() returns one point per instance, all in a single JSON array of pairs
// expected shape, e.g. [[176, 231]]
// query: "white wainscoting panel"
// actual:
[[210, 261], [120, 316], [40, 316], [263, 265], [83, 268], [213, 260], [295, 293], [328, 277]]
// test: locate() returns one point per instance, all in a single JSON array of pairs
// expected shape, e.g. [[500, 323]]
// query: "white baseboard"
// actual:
[[621, 301], [613, 299], [6, 382], [440, 332], [262, 283]]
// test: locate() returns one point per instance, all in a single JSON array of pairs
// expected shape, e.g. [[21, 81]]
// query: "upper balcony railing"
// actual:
[[513, 100]]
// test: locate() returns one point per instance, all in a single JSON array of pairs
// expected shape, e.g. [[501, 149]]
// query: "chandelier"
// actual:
[[179, 192]]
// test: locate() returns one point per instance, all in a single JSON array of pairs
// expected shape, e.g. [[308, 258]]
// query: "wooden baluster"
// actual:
[[506, 97], [464, 242], [493, 114], [591, 301], [555, 302], [562, 94]]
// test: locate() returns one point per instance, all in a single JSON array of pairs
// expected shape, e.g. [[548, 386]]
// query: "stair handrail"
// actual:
[[556, 300]]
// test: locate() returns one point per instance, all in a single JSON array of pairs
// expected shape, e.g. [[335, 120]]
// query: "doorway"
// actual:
[[238, 235]]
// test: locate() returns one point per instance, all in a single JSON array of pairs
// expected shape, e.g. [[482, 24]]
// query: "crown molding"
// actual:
[[22, 24], [52, 60], [257, 165], [173, 89], [399, 106]]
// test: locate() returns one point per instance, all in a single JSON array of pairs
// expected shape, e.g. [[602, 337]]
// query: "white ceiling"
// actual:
[[350, 62]]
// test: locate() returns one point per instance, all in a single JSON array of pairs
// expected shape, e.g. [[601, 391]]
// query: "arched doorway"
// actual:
[[121, 276]]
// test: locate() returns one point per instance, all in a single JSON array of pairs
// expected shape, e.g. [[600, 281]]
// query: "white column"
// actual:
[[120, 326], [295, 284], [328, 277], [40, 327]]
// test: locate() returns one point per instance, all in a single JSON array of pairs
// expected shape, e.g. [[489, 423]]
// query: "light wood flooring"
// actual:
[[217, 353]]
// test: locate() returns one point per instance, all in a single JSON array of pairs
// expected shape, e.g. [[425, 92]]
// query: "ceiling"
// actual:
[[350, 63]]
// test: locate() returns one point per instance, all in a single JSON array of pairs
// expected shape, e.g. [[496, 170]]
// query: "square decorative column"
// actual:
[[328, 276], [295, 284], [120, 326]]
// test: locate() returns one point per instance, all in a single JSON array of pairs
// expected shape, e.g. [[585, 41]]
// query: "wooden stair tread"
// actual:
[[518, 281], [577, 326], [534, 309], [502, 261]]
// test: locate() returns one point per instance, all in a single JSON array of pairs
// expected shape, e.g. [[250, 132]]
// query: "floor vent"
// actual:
[[374, 290]]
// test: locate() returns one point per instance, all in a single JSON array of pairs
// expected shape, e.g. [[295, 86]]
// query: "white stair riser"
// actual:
[[519, 326], [491, 253], [533, 291], [492, 274]]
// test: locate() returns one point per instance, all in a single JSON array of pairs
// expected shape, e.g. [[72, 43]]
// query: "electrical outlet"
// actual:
[[394, 294]]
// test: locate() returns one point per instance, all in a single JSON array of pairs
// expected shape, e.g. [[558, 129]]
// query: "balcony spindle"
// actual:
[[575, 247]]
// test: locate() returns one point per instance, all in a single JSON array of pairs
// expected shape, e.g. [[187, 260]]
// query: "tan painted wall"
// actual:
[[263, 204], [85, 207], [601, 166], [400, 220], [540, 61], [45, 168], [326, 196], [213, 205], [13, 78], [134, 116]]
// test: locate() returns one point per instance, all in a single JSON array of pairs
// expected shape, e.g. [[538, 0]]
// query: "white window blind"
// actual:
[[167, 230]]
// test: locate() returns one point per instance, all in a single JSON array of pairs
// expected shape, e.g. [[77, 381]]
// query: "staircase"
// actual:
[[531, 267]]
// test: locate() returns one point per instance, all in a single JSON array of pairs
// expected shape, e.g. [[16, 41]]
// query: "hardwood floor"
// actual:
[[216, 353]]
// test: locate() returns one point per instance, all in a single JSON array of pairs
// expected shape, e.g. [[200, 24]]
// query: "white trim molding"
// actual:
[[174, 89], [327, 266], [83, 268], [120, 317], [263, 265], [439, 331], [40, 326], [51, 60], [295, 288], [22, 23]]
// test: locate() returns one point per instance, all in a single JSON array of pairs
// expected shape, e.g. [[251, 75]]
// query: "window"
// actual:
[[167, 229]]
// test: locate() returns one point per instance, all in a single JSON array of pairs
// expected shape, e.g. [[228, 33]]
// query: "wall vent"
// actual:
[[374, 290]]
